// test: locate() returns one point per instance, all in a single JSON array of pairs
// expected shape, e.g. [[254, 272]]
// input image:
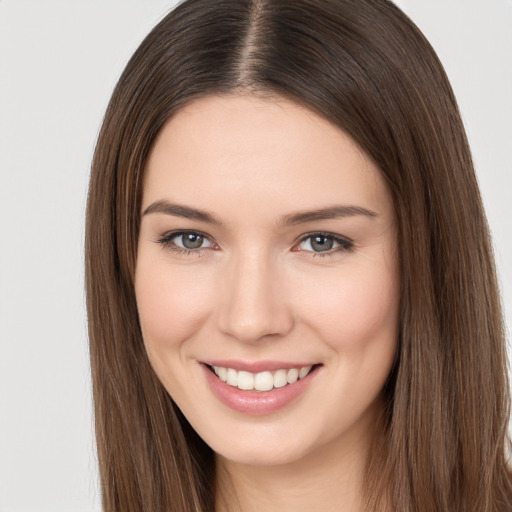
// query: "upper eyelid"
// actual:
[[168, 238], [327, 234], [178, 232]]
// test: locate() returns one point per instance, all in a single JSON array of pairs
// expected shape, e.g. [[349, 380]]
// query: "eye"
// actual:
[[186, 241], [191, 240], [324, 244]]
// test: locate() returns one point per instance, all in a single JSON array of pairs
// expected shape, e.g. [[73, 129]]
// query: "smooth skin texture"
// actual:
[[256, 287]]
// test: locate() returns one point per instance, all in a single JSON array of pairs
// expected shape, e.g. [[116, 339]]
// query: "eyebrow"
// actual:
[[330, 212], [179, 210]]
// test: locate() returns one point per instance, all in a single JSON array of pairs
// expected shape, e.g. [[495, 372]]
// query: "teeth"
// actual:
[[245, 380], [280, 378], [221, 372], [232, 378], [292, 375], [263, 381], [304, 371]]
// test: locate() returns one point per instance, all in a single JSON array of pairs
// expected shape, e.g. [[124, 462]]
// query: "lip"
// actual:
[[257, 403], [256, 366]]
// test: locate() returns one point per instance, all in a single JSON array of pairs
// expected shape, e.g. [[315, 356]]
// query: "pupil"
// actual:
[[192, 241], [322, 243]]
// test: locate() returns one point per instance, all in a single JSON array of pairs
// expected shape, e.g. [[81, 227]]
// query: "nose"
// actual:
[[254, 303]]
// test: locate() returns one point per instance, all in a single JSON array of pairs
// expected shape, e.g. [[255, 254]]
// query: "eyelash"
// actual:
[[167, 241], [344, 244]]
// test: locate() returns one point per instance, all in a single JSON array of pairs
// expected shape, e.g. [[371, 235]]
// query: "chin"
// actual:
[[256, 454]]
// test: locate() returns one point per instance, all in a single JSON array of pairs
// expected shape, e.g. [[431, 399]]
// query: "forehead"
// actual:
[[246, 148]]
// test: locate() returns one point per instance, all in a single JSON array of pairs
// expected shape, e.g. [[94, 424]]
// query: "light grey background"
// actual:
[[59, 61]]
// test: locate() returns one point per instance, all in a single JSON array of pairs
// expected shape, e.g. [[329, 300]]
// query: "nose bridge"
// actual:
[[253, 304]]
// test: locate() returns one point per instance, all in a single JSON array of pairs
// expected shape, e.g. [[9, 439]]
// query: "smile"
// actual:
[[266, 389], [262, 381]]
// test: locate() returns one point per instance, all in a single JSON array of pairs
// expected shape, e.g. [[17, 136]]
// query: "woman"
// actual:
[[291, 294]]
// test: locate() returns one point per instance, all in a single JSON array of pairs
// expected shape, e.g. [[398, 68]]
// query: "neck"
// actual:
[[330, 478]]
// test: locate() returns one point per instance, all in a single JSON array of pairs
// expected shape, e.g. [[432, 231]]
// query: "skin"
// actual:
[[257, 290]]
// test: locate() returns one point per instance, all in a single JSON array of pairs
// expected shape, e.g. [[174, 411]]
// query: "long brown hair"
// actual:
[[363, 65]]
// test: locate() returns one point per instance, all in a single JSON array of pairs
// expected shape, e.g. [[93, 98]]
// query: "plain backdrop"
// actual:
[[59, 61]]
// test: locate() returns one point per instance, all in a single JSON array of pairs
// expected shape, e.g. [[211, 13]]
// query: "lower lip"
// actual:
[[257, 403]]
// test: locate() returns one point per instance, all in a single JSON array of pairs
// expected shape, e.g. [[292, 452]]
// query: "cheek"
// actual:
[[172, 305], [355, 311]]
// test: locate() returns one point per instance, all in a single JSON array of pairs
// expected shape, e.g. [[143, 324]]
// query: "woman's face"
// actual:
[[267, 253]]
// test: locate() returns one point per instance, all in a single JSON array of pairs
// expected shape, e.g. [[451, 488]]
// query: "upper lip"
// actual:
[[256, 366]]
